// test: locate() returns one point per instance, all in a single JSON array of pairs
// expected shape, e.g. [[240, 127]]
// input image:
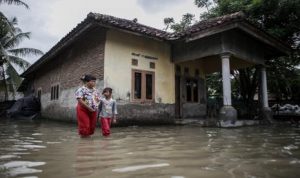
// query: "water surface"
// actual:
[[49, 149]]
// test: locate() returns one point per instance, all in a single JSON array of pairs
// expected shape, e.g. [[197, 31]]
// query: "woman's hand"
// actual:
[[80, 100], [91, 109]]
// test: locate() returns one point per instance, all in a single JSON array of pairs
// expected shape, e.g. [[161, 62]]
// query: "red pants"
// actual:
[[105, 126], [86, 121]]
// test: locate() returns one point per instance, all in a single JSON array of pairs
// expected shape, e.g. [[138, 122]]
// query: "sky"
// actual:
[[50, 20]]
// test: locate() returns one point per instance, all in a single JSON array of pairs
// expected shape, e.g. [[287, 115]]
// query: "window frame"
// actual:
[[54, 92], [192, 90], [143, 86], [39, 93]]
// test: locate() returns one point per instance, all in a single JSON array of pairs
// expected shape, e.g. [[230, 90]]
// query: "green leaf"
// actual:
[[15, 2], [22, 52], [15, 40], [19, 62]]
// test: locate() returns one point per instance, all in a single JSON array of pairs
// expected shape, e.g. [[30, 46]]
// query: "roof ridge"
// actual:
[[235, 15], [207, 23], [99, 16], [130, 25]]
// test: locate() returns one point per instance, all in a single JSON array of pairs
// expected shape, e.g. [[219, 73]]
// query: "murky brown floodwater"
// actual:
[[48, 149]]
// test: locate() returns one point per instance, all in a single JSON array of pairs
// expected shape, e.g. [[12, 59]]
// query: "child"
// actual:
[[88, 100], [107, 111]]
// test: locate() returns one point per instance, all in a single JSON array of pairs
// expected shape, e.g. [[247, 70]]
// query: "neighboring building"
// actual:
[[156, 76]]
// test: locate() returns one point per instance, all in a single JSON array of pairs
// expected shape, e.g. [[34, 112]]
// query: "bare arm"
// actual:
[[115, 112]]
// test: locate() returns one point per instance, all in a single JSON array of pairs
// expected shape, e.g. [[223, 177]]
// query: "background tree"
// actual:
[[4, 22], [15, 2], [280, 18], [10, 55], [186, 21]]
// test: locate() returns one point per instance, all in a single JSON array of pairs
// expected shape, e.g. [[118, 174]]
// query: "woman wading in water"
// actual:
[[88, 100]]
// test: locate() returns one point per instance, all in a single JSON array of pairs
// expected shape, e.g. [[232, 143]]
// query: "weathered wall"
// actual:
[[119, 49], [146, 114], [118, 68], [243, 46], [84, 56], [207, 46]]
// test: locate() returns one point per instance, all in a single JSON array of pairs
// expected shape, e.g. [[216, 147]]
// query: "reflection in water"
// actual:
[[48, 149], [85, 157], [21, 167], [139, 167]]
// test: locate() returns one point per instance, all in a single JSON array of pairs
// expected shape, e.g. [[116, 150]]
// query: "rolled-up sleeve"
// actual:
[[79, 93]]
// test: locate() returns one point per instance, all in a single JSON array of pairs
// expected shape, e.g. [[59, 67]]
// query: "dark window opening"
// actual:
[[149, 86], [186, 71], [57, 92], [137, 85], [197, 72], [152, 65], [178, 69], [195, 92], [134, 62], [54, 92], [39, 94], [192, 90], [188, 92]]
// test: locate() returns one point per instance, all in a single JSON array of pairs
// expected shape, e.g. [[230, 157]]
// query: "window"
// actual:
[[137, 85], [134, 62], [178, 69], [54, 92], [143, 85], [192, 90], [186, 71], [152, 65], [39, 93], [197, 73], [149, 86]]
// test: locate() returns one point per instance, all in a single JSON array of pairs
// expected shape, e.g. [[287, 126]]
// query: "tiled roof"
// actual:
[[207, 24], [156, 33], [128, 25], [134, 27]]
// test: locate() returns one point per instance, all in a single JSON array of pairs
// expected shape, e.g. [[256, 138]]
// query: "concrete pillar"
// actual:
[[266, 112], [226, 79], [264, 89], [227, 112]]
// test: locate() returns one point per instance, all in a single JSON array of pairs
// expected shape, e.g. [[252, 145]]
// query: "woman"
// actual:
[[88, 100]]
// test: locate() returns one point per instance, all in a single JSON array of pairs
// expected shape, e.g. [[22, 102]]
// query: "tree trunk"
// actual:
[[248, 85], [4, 82]]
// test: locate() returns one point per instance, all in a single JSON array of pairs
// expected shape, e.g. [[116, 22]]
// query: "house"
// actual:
[[156, 76]]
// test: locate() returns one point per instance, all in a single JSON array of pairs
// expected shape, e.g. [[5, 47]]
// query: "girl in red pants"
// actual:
[[88, 99], [107, 111]]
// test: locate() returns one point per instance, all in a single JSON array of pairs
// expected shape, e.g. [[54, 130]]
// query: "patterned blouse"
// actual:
[[107, 108], [90, 96]]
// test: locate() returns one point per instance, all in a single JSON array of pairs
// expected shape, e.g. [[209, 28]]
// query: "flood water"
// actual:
[[49, 149]]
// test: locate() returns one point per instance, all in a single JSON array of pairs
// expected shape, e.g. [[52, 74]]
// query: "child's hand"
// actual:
[[114, 120]]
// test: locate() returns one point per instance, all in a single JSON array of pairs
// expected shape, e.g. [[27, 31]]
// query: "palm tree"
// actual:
[[5, 28], [11, 56], [15, 2], [4, 22]]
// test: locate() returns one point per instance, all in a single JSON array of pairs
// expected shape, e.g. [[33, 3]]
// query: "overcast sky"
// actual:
[[50, 20]]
